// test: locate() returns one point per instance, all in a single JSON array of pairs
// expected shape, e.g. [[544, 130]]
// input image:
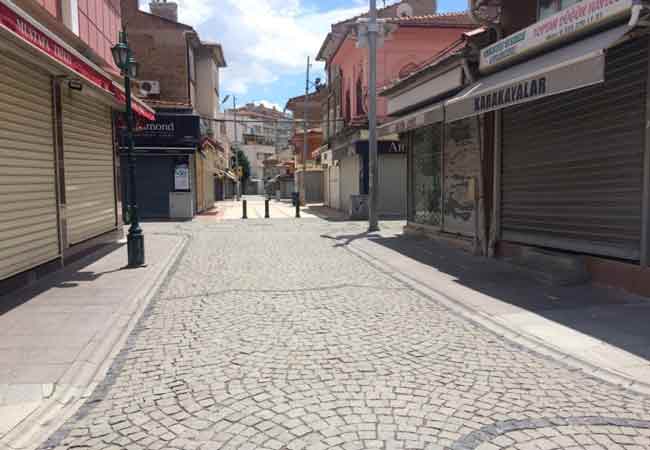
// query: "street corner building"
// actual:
[[59, 93], [527, 140], [180, 159]]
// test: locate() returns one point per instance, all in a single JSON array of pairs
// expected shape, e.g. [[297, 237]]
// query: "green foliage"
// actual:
[[245, 163]]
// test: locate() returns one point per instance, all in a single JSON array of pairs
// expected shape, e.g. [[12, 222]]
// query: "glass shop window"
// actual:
[[426, 180]]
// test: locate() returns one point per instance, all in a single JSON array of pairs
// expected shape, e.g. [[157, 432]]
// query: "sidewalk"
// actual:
[[58, 337], [602, 331]]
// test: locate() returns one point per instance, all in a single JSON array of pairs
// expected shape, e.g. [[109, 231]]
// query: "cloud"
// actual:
[[270, 104], [264, 40]]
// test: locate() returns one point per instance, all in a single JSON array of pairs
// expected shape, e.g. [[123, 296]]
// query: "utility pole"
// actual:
[[373, 30], [238, 184], [305, 149]]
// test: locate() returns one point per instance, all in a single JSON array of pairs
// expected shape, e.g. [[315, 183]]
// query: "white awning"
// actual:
[[423, 117], [572, 67]]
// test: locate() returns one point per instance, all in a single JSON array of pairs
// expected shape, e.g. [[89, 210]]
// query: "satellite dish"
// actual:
[[404, 10]]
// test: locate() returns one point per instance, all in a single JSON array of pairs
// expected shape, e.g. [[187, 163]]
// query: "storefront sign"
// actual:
[[490, 94], [383, 147], [566, 25], [168, 131], [510, 95], [182, 177], [26, 31]]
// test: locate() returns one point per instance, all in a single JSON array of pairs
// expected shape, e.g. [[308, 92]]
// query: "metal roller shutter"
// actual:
[[573, 163], [89, 167], [29, 233]]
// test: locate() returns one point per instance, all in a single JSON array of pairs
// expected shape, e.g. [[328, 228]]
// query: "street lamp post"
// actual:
[[125, 61]]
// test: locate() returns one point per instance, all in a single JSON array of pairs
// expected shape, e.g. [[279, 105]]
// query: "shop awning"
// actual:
[[420, 118], [572, 67]]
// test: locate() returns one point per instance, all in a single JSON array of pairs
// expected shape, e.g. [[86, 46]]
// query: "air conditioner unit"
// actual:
[[148, 87]]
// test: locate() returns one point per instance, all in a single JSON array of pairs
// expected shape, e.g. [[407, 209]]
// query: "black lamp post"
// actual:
[[129, 68]]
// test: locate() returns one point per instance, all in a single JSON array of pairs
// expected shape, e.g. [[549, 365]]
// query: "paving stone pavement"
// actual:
[[272, 335]]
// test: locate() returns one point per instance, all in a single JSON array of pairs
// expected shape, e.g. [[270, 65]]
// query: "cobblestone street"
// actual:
[[273, 335]]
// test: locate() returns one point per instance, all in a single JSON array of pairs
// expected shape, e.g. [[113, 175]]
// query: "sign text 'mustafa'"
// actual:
[[510, 95]]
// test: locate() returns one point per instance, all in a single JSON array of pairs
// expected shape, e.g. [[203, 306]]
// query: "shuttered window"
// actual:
[[573, 163], [28, 216]]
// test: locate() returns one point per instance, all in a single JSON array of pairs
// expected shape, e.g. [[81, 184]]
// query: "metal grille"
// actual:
[[89, 172], [28, 216], [572, 163]]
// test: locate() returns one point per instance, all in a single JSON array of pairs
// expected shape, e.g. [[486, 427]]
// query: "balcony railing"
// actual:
[[258, 139]]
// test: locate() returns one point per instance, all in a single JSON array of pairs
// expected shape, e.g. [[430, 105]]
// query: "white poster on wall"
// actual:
[[182, 177]]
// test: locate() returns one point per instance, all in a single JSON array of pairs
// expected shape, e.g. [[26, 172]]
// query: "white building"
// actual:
[[261, 133]]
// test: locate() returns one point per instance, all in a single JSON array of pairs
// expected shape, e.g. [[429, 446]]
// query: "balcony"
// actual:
[[256, 139]]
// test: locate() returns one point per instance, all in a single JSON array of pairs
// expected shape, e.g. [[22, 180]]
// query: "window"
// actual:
[[360, 100], [427, 182], [549, 7]]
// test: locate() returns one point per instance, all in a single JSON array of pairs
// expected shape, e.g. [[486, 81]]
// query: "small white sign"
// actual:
[[182, 178], [566, 25]]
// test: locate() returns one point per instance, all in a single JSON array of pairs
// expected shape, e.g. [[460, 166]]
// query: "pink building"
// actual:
[[417, 35], [414, 41], [95, 23]]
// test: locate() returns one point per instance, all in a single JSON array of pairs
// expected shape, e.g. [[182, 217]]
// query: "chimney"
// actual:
[[166, 10], [422, 7]]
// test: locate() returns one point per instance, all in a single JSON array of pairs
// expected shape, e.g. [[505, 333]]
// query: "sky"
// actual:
[[267, 42]]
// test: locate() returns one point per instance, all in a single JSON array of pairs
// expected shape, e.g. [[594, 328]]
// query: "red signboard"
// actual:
[[22, 28]]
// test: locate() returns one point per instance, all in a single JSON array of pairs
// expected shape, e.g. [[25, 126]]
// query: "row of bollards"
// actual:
[[267, 210]]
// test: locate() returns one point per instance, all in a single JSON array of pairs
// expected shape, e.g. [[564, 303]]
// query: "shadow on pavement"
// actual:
[[611, 315], [325, 213], [66, 278]]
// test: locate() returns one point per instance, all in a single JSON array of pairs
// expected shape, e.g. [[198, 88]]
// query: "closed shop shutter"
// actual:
[[572, 163], [335, 197], [326, 183], [349, 180], [154, 182], [392, 186], [28, 218], [89, 173]]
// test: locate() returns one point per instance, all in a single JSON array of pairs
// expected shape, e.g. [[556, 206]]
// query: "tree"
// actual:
[[245, 164]]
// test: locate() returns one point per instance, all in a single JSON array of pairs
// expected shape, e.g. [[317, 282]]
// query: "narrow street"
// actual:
[[275, 335]]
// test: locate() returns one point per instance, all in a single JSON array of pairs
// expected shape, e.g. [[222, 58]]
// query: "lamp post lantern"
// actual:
[[125, 61]]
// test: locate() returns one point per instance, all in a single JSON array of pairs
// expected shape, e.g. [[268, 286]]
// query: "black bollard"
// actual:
[[244, 212], [267, 214], [298, 208]]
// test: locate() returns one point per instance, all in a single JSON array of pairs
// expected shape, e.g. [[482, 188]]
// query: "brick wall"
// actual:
[[160, 47]]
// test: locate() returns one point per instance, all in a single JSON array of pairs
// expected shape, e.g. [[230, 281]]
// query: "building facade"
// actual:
[[262, 134], [558, 108], [59, 92], [417, 34], [306, 111], [180, 163]]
